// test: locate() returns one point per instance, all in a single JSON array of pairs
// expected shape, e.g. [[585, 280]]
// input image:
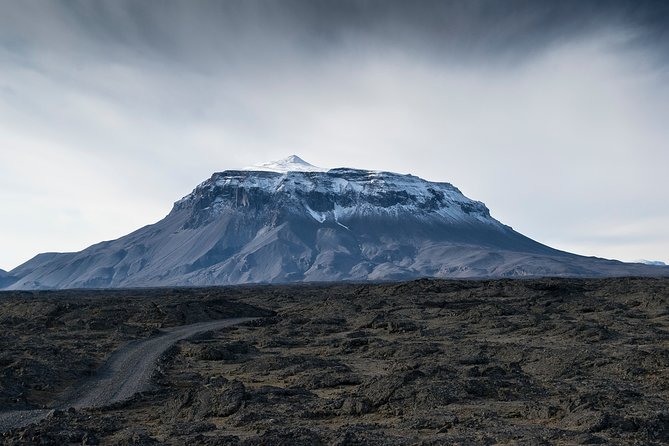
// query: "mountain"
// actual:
[[5, 279], [651, 262], [290, 221]]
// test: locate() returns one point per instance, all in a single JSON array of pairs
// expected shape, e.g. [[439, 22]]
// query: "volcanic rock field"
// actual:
[[425, 362]]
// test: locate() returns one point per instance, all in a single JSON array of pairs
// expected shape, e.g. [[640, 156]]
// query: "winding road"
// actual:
[[126, 372]]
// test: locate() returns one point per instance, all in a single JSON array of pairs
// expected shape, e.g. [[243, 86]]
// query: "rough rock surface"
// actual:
[[431, 362]]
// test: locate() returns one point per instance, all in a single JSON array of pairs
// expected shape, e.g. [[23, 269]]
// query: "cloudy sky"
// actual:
[[553, 113]]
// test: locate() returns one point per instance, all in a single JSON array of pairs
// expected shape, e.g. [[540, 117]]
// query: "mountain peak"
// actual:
[[293, 163]]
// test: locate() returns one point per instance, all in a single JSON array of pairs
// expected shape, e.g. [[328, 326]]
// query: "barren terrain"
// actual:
[[424, 362]]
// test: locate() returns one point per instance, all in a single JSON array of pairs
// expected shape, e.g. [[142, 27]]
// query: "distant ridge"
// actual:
[[290, 221], [5, 278], [651, 262]]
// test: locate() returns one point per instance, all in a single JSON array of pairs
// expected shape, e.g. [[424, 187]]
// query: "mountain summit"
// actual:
[[289, 221], [293, 163]]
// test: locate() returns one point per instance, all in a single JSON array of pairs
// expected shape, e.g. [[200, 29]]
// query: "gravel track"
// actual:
[[126, 372]]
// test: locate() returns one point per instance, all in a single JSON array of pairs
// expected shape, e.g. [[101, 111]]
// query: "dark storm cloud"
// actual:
[[476, 28], [236, 31]]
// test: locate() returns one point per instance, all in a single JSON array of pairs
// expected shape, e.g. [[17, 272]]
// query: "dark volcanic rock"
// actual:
[[135, 437], [288, 436], [219, 398], [490, 362]]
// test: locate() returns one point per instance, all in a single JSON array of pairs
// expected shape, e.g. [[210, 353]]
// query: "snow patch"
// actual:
[[336, 212], [343, 226], [318, 216]]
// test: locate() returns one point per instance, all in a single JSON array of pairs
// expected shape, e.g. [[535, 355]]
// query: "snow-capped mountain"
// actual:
[[289, 221]]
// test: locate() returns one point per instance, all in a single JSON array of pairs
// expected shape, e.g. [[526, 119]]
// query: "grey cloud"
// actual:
[[232, 32]]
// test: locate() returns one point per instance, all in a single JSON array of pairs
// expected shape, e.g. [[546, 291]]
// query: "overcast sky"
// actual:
[[555, 114]]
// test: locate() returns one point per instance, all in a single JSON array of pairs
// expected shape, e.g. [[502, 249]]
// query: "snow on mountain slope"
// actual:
[[289, 221]]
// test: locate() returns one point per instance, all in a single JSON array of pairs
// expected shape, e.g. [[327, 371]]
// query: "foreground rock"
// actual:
[[423, 362]]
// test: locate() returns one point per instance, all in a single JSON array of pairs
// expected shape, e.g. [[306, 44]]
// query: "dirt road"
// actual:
[[126, 372]]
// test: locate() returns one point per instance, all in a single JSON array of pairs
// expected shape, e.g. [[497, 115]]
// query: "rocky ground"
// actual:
[[424, 362]]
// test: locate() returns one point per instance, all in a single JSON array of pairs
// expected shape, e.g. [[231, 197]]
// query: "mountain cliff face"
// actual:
[[290, 221]]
